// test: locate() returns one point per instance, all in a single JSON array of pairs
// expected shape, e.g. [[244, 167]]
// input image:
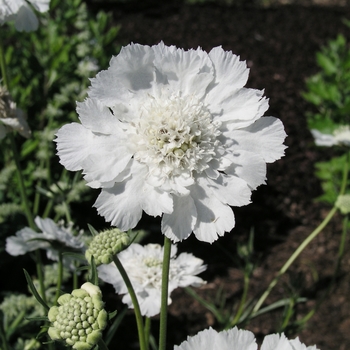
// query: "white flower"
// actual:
[[11, 117], [281, 342], [27, 240], [234, 339], [340, 136], [173, 133], [143, 265], [21, 13]]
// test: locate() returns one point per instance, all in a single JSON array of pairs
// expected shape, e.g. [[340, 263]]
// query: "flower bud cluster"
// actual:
[[80, 318], [107, 244]]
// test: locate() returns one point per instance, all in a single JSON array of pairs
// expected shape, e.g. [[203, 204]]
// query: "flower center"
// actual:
[[175, 136]]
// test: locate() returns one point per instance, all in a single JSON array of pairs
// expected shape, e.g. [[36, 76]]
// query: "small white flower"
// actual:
[[11, 117], [235, 339], [27, 240], [281, 342], [340, 136], [20, 11], [173, 133], [143, 265]]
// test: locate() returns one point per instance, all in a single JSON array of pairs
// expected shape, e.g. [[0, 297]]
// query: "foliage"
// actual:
[[329, 89]]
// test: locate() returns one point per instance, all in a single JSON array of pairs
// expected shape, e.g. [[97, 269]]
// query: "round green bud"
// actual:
[[107, 244], [80, 318]]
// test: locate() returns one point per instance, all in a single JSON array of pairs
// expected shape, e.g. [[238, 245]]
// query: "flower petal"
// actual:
[[264, 137], [230, 74], [213, 217], [26, 19], [179, 224], [122, 204]]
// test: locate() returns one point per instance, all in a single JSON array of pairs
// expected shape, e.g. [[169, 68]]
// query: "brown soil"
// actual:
[[279, 44]]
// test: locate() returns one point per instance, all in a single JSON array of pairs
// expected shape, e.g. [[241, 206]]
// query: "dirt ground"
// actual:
[[279, 45]]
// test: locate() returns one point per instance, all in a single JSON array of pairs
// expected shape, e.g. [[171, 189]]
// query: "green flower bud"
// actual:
[[80, 318], [107, 244]]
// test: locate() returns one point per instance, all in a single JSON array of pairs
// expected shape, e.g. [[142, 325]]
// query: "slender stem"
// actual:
[[293, 257], [135, 302], [302, 246], [102, 345], [59, 276], [4, 343], [3, 65], [147, 330], [164, 300], [242, 302], [22, 188]]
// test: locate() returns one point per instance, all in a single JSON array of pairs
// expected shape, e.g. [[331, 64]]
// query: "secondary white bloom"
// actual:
[[23, 15], [235, 339], [11, 117], [143, 265], [51, 236], [340, 136], [281, 342], [173, 133]]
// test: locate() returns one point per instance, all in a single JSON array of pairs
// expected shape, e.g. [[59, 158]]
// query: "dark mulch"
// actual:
[[279, 45]]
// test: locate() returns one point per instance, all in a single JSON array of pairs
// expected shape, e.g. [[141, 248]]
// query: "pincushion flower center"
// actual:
[[176, 135]]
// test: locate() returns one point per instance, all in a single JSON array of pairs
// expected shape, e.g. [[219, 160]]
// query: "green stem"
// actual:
[[3, 65], [147, 331], [302, 246], [59, 277], [102, 345], [22, 188], [293, 257], [164, 300], [40, 274], [135, 302], [242, 302]]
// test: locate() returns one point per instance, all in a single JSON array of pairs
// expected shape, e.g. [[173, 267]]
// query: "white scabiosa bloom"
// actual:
[[143, 264], [11, 117], [339, 137], [172, 133], [281, 342], [235, 339], [51, 238], [21, 12]]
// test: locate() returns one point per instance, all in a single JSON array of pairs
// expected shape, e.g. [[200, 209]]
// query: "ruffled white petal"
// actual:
[[233, 339], [231, 74], [241, 108], [131, 71], [187, 71], [264, 137], [248, 166], [213, 217], [26, 19], [122, 204], [40, 5], [180, 223], [321, 139]]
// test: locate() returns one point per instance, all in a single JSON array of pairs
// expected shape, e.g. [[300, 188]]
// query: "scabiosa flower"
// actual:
[[105, 245], [235, 339], [80, 317], [339, 137], [143, 264], [11, 117], [173, 133], [20, 11], [51, 238]]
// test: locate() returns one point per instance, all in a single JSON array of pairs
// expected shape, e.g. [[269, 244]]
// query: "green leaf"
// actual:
[[34, 291]]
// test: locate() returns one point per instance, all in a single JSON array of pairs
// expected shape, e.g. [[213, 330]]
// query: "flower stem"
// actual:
[[135, 302], [60, 276], [164, 300], [102, 345], [3, 65], [302, 246], [147, 331], [293, 257]]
